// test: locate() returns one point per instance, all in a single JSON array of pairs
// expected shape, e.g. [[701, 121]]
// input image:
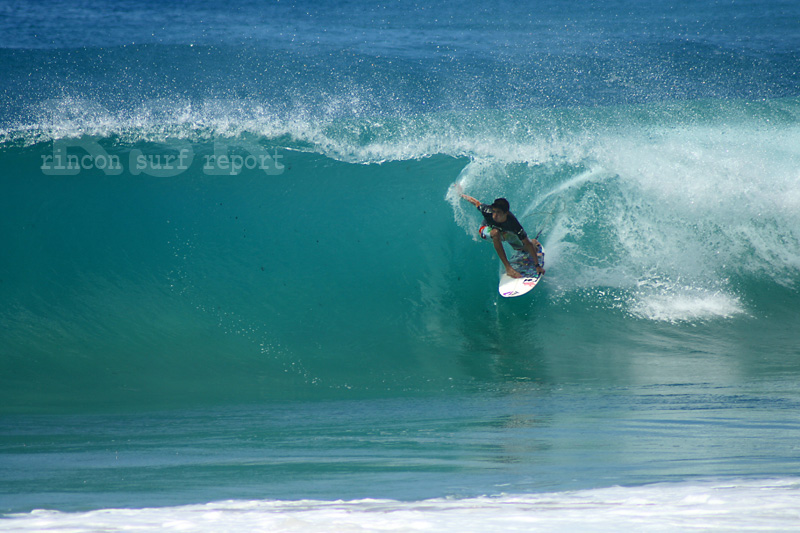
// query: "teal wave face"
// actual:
[[341, 270]]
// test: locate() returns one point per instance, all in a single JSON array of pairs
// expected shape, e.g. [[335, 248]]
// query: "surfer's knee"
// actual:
[[495, 234]]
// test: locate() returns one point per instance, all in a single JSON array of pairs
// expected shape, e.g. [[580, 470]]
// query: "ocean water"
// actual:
[[240, 292]]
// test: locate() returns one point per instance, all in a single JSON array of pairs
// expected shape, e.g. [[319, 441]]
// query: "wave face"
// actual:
[[193, 216], [337, 256]]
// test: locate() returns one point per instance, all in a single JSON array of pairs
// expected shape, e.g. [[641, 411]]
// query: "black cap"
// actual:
[[502, 204]]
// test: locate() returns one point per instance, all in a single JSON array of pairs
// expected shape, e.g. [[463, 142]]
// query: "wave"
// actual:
[[345, 269]]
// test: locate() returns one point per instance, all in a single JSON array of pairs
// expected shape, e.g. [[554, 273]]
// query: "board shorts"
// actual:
[[512, 239]]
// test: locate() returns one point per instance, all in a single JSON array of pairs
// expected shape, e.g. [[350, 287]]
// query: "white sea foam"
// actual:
[[685, 305], [764, 505]]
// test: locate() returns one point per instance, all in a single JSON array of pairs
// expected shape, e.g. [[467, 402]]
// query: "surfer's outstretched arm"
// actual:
[[471, 200]]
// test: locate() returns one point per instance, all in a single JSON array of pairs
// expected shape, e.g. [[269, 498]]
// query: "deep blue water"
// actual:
[[322, 321]]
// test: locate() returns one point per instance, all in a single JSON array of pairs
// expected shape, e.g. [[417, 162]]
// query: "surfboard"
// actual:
[[522, 263]]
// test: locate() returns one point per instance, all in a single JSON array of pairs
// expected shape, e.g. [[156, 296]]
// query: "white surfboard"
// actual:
[[522, 263]]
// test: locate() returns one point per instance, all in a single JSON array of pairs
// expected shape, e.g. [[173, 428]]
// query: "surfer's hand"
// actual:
[[539, 269], [512, 273]]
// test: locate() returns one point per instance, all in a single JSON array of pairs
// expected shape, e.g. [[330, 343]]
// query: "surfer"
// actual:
[[501, 225]]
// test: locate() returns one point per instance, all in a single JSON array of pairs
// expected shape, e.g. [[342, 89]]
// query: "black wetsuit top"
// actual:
[[511, 224]]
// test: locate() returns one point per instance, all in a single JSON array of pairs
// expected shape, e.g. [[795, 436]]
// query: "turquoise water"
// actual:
[[254, 280], [525, 439]]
